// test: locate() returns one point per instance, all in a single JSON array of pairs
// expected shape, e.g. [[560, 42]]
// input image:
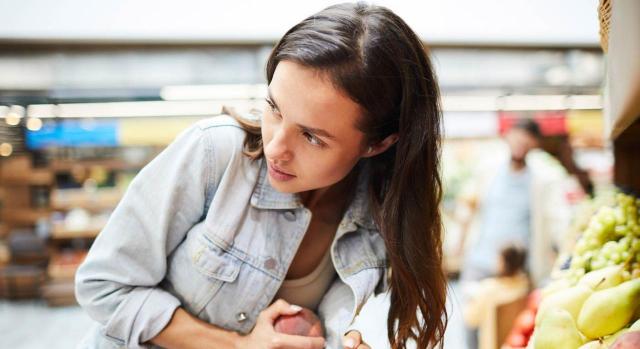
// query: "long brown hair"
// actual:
[[371, 54]]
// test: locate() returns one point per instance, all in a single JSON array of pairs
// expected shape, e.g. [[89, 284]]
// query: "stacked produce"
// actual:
[[595, 302]]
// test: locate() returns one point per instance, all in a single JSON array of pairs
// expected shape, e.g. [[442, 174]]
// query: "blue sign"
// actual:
[[74, 133]]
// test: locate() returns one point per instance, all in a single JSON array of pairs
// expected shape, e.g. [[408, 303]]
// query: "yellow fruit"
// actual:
[[557, 330], [603, 278], [609, 310], [570, 299], [555, 286]]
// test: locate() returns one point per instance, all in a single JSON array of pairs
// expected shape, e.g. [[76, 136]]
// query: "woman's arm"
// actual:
[[117, 284], [186, 331]]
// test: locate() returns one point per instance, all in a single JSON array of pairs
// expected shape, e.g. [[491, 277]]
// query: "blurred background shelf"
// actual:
[[60, 233], [37, 177], [111, 164], [24, 216], [94, 201]]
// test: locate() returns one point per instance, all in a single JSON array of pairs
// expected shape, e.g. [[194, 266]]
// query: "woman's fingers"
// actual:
[[280, 307], [353, 340]]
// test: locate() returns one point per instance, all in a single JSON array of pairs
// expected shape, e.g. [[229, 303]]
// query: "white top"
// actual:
[[308, 290]]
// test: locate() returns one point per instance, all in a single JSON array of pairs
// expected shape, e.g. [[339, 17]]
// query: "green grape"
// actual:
[[623, 244], [598, 264], [609, 246], [593, 243], [621, 230], [624, 256], [578, 262], [596, 227], [606, 217], [615, 257], [619, 214], [581, 247], [635, 230]]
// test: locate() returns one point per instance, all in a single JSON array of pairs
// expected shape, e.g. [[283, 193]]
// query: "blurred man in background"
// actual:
[[519, 201]]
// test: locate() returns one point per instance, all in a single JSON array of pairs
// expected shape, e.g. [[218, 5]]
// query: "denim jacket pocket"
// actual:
[[198, 269], [213, 262]]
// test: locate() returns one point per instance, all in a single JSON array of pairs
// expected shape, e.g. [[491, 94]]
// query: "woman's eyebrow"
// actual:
[[270, 96], [317, 131]]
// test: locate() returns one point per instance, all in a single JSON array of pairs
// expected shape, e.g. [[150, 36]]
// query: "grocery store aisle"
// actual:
[[34, 325]]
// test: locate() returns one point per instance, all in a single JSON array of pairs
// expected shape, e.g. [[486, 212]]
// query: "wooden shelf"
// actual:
[[24, 215], [35, 177], [61, 234], [100, 200], [112, 164]]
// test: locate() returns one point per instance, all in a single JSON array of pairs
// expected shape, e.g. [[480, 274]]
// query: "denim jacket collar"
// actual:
[[264, 196]]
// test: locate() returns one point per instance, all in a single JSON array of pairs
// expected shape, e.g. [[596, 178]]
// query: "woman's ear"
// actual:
[[381, 146]]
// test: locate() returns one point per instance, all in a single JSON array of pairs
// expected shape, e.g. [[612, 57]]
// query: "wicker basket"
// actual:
[[604, 15]]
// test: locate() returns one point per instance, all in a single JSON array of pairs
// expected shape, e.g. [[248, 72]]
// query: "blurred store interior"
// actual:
[[92, 91]]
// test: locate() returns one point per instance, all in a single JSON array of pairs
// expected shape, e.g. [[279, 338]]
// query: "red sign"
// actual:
[[552, 123]]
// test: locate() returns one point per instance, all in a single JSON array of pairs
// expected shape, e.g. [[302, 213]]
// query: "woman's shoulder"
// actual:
[[223, 138], [222, 126], [222, 134]]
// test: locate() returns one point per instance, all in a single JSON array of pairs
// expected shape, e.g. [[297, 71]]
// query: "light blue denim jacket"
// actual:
[[201, 227]]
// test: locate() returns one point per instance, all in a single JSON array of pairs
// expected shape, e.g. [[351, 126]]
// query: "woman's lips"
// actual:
[[278, 174]]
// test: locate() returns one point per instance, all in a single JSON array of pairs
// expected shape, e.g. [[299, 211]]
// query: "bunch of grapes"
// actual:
[[612, 237]]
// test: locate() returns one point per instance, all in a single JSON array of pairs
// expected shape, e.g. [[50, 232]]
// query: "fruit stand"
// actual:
[[593, 300]]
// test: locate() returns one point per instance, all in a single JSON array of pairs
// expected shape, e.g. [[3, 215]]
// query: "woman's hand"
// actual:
[[264, 336], [353, 340]]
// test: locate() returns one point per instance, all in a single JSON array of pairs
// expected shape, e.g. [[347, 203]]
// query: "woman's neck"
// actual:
[[334, 196]]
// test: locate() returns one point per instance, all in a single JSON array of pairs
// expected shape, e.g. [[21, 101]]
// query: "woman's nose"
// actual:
[[277, 148]]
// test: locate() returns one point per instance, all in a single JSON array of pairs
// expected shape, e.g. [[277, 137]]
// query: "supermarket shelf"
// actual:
[[68, 165], [61, 233], [35, 177], [24, 215], [100, 200]]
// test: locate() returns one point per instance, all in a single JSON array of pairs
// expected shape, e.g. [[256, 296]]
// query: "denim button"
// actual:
[[241, 317], [290, 216], [270, 263]]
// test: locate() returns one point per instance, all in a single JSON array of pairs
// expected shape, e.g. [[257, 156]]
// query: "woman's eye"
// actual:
[[272, 106], [312, 139]]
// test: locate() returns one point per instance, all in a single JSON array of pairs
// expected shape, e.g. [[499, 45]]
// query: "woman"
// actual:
[[344, 168]]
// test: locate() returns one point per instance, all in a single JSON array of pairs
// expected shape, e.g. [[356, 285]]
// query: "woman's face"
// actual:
[[309, 130]]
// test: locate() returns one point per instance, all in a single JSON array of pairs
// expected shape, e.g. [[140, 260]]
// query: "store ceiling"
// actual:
[[440, 22], [50, 74]]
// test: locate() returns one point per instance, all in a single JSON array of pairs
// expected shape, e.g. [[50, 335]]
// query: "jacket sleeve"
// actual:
[[336, 310], [117, 284], [335, 313]]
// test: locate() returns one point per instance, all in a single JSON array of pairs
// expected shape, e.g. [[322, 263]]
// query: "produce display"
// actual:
[[595, 301]]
